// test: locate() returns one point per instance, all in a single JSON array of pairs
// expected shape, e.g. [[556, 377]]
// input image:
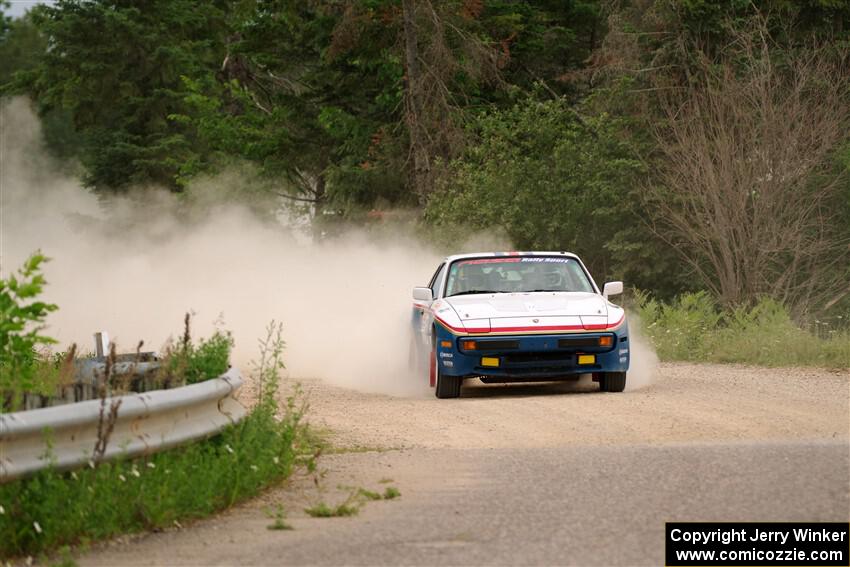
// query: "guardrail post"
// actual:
[[101, 344]]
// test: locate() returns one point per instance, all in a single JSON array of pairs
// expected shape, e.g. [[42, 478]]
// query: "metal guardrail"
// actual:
[[145, 423]]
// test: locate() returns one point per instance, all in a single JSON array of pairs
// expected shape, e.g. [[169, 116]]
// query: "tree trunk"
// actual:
[[418, 141], [319, 207]]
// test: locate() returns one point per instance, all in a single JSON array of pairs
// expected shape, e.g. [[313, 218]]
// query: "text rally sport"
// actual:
[[727, 536]]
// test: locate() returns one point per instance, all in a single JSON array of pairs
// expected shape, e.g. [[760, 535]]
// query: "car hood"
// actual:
[[540, 304], [528, 312]]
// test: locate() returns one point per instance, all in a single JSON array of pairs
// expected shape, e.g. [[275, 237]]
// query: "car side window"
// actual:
[[437, 280]]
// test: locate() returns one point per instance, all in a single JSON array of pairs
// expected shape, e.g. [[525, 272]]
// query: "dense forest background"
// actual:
[[680, 145]]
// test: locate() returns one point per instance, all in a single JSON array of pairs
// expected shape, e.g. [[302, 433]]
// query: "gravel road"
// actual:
[[545, 475]]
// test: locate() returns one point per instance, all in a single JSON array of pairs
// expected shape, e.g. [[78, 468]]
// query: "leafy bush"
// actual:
[[20, 332], [54, 508], [210, 359], [191, 363], [692, 328]]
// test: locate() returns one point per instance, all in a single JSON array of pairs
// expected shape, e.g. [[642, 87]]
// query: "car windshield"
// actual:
[[516, 274]]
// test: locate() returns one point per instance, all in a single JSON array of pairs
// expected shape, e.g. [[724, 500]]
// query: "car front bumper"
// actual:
[[532, 357]]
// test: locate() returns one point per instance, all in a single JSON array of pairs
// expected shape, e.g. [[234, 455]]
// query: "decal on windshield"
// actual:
[[488, 261], [546, 260]]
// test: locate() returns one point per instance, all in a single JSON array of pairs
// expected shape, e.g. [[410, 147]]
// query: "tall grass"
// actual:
[[692, 328], [54, 508], [190, 363]]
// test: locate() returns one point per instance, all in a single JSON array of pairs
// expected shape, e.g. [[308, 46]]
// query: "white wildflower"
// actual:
[[37, 527], [151, 465], [229, 449], [2, 510], [135, 472], [276, 461], [254, 468], [122, 477], [74, 475], [91, 464]]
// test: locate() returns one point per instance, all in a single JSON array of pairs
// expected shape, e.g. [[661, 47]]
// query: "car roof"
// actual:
[[507, 254]]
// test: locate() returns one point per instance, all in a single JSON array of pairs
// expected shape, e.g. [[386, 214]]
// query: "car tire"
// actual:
[[447, 386], [612, 382]]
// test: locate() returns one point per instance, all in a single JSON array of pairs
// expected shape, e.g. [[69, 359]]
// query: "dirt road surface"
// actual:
[[546, 475]]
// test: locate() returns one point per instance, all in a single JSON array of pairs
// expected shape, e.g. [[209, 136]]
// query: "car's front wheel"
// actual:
[[447, 386], [612, 381]]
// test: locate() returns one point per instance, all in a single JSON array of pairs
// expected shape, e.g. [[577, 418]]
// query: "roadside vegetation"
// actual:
[[52, 508], [55, 508], [351, 506], [693, 328], [22, 367]]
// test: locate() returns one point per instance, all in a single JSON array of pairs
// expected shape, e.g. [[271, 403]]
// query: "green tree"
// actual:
[[342, 103], [552, 181], [21, 47], [294, 97], [118, 69]]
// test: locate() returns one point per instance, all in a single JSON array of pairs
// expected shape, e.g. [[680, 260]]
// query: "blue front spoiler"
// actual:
[[530, 357]]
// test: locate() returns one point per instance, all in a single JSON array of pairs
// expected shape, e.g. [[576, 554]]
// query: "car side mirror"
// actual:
[[422, 294], [612, 288]]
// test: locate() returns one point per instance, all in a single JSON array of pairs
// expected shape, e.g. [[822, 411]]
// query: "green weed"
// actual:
[[322, 510], [330, 450], [368, 494], [391, 492], [190, 363], [279, 516], [692, 328], [351, 506]]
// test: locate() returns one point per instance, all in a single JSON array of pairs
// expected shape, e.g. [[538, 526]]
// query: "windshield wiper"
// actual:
[[475, 291], [536, 290]]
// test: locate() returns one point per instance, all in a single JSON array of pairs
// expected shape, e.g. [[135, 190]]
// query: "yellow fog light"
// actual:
[[468, 345], [489, 361], [587, 359], [606, 341], [446, 344]]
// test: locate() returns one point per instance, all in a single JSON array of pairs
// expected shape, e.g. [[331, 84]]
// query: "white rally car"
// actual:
[[518, 317]]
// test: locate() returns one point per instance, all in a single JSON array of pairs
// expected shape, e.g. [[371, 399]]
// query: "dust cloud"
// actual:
[[643, 366], [132, 266]]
